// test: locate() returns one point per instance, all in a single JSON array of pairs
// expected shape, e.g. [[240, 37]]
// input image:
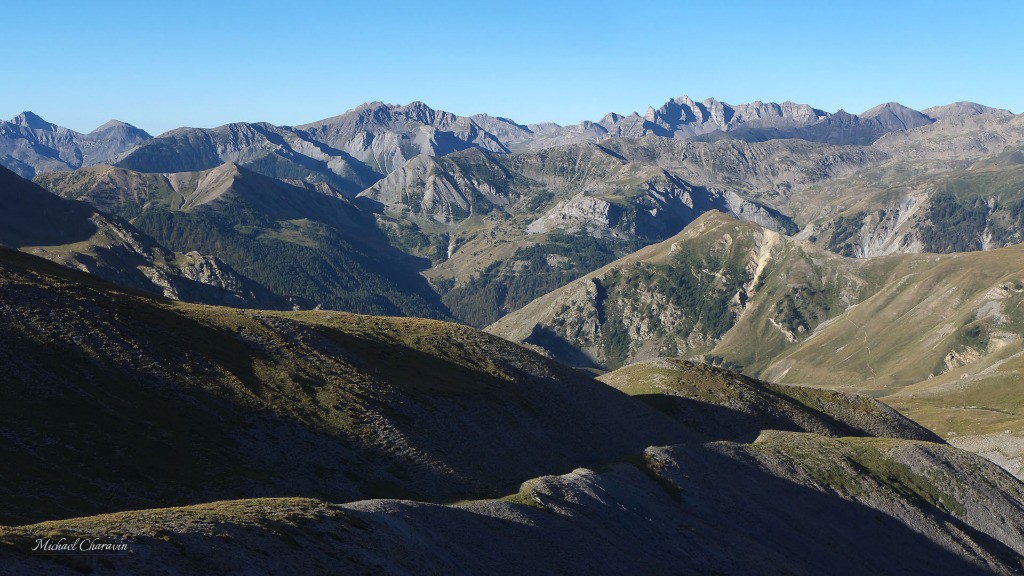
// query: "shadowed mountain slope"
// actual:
[[938, 336], [302, 241], [112, 400], [203, 403], [790, 501], [78, 235], [721, 405]]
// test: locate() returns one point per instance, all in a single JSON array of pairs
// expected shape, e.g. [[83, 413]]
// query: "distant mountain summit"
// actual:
[[31, 121], [684, 117], [895, 116], [712, 120], [385, 136], [957, 109], [30, 145]]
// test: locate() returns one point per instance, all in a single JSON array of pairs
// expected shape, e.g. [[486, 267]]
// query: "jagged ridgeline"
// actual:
[[494, 231], [495, 214], [30, 145], [410, 211]]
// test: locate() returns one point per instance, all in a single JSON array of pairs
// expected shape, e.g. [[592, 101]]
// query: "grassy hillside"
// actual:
[[683, 296], [936, 335], [302, 242], [112, 400], [78, 235], [722, 405], [783, 309], [206, 433]]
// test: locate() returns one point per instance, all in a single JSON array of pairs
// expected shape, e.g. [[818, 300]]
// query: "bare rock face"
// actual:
[[386, 136], [445, 193], [746, 209], [594, 215], [682, 117], [207, 270], [712, 120], [664, 205], [960, 138]]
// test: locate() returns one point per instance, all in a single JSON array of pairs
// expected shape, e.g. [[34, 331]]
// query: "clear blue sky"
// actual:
[[161, 65]]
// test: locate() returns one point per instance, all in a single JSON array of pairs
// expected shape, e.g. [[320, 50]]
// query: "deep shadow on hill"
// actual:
[[111, 400]]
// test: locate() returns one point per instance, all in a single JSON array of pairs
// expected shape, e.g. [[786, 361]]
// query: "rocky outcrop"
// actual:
[[682, 117], [595, 216], [445, 192], [955, 211]]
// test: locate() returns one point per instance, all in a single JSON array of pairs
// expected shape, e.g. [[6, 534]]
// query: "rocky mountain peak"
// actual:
[[418, 111], [896, 116], [122, 127], [31, 120], [959, 109], [686, 101], [112, 123], [887, 108]]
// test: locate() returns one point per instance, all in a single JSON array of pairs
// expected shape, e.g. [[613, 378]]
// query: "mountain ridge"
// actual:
[[29, 144], [377, 138], [78, 235], [206, 403], [305, 242]]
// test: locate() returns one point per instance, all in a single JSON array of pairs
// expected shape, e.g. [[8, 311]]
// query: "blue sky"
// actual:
[[160, 65]]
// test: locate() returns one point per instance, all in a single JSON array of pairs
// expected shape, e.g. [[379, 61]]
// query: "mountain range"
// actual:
[[366, 143], [699, 323]]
